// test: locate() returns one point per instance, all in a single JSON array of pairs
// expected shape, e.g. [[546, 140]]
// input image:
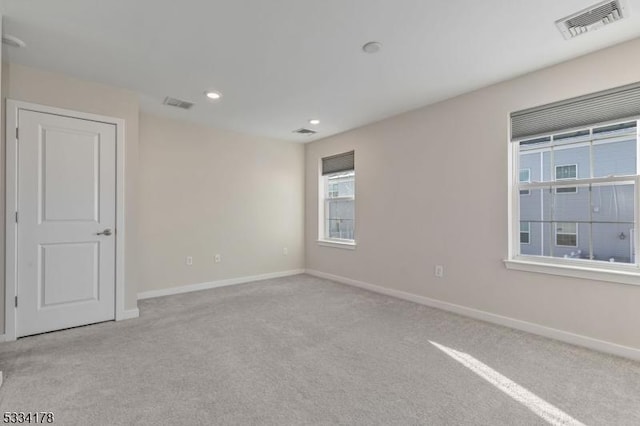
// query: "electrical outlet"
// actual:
[[217, 258], [189, 260], [285, 251], [438, 271]]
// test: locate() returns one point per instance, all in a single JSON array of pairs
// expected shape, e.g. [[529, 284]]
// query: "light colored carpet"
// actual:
[[302, 350]]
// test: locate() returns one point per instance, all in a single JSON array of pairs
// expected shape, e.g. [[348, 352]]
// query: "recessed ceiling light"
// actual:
[[214, 96], [12, 41], [372, 47], [314, 121]]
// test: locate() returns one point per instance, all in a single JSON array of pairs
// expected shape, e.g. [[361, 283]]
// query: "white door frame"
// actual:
[[11, 227]]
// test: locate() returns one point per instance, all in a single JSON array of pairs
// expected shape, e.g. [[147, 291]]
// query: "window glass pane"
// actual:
[[613, 203], [615, 130], [530, 167], [339, 219], [569, 219], [533, 207], [614, 158], [340, 184], [572, 206], [612, 242], [572, 137]]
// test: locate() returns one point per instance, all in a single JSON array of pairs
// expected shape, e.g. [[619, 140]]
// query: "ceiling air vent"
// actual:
[[592, 18], [178, 103], [303, 131]]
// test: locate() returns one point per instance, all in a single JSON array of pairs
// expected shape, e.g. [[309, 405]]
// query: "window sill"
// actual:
[[337, 244], [622, 275]]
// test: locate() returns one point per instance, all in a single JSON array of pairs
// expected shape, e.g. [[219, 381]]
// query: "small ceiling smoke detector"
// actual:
[[372, 47], [303, 131], [314, 121], [213, 95], [178, 103], [592, 18], [13, 41]]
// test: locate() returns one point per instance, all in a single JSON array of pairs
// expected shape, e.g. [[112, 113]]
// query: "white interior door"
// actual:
[[66, 222]]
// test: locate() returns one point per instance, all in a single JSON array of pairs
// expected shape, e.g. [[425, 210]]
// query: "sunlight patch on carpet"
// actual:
[[539, 406]]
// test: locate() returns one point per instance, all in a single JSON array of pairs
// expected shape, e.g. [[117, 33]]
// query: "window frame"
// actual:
[[323, 202], [615, 272]]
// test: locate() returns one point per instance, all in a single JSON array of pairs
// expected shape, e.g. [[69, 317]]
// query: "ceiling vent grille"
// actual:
[[592, 18], [303, 131], [178, 103]]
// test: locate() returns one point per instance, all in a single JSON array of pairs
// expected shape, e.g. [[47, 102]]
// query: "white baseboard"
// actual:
[[552, 333], [129, 314], [215, 284]]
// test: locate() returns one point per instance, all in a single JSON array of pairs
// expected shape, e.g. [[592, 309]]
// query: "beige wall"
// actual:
[[51, 89], [432, 189], [205, 192]]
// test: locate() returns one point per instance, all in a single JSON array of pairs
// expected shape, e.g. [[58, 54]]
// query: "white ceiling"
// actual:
[[279, 63]]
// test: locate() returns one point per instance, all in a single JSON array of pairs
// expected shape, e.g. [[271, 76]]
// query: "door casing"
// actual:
[[11, 227]]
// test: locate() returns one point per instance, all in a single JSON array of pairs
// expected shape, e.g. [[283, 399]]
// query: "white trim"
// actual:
[[11, 163], [337, 244], [215, 284], [552, 333], [620, 276], [129, 314]]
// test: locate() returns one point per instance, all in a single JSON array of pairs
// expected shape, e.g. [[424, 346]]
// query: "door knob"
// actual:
[[106, 232]]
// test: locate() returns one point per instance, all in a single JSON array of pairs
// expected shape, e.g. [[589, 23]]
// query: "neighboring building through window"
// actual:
[[567, 172], [525, 177], [525, 232], [567, 234], [577, 213], [592, 218], [337, 201]]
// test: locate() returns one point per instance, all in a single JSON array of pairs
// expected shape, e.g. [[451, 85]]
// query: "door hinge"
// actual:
[[17, 133], [16, 301], [16, 217]]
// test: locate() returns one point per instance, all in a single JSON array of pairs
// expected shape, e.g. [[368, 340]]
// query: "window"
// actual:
[[601, 163], [566, 234], [567, 172], [577, 213], [525, 232], [337, 200], [525, 177]]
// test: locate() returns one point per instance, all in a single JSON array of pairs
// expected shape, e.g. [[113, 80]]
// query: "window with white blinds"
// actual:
[[578, 203], [337, 199]]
